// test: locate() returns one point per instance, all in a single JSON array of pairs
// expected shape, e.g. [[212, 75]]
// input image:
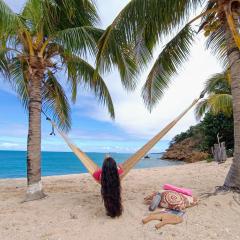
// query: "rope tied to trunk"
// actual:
[[52, 133]]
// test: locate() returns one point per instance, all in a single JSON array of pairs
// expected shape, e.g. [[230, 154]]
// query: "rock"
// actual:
[[186, 151]]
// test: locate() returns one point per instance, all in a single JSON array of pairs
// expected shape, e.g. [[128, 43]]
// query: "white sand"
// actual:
[[74, 210]]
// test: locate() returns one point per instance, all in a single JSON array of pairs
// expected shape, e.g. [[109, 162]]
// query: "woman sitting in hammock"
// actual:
[[109, 178]]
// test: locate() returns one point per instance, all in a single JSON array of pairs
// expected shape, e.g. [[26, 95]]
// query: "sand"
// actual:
[[74, 210]]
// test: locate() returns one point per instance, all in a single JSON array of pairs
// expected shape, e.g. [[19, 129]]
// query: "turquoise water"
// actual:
[[13, 163]]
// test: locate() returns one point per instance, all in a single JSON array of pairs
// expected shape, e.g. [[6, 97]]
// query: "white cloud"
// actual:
[[8, 145]]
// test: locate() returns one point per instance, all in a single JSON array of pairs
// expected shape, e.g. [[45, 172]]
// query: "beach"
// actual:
[[73, 208]]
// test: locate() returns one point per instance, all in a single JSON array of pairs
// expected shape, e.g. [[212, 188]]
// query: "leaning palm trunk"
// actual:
[[34, 190], [233, 178]]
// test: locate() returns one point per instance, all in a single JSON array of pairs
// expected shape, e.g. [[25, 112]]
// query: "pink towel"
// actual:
[[177, 189]]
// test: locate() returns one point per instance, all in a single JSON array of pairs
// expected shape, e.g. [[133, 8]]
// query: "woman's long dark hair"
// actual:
[[111, 188]]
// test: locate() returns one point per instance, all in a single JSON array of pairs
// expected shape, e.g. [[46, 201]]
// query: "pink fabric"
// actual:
[[97, 174], [185, 191]]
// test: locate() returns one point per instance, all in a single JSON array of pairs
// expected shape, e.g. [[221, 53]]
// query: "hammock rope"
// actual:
[[91, 166], [133, 160], [88, 163]]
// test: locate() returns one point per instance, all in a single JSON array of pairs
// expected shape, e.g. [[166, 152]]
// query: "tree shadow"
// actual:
[[223, 190]]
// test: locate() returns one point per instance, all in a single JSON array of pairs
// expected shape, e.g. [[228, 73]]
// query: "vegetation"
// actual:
[[219, 99], [143, 23], [208, 131], [45, 38], [216, 110]]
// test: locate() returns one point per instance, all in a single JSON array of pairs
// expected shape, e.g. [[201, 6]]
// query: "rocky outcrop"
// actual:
[[186, 150]]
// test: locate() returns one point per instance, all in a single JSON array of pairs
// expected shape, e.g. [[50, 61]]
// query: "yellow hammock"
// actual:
[[91, 166]]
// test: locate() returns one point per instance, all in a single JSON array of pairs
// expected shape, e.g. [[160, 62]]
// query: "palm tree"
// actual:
[[46, 38], [143, 23], [219, 99]]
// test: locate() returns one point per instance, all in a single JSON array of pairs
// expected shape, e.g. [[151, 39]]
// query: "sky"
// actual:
[[92, 129]]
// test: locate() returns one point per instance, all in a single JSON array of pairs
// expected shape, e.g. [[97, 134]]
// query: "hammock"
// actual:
[[91, 166]]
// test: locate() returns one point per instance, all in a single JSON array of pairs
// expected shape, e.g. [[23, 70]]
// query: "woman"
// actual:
[[110, 186]]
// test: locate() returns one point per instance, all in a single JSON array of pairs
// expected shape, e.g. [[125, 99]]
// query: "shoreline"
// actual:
[[87, 173], [74, 208]]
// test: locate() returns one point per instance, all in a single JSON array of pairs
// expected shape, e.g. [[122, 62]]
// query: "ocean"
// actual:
[[13, 163]]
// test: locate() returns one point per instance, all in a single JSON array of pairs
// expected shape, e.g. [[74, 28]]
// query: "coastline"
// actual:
[[74, 209]]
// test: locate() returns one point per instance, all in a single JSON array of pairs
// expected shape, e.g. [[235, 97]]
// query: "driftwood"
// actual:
[[219, 152], [164, 218]]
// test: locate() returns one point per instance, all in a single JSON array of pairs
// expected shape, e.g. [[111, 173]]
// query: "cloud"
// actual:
[[8, 145]]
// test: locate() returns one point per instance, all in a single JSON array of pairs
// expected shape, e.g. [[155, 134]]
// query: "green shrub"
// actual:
[[208, 129]]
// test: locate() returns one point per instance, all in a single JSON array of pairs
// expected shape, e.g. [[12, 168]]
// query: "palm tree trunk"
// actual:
[[233, 177], [34, 190]]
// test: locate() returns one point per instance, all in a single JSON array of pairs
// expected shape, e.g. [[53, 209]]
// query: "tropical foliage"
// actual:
[[219, 99], [61, 34], [208, 130], [143, 23]]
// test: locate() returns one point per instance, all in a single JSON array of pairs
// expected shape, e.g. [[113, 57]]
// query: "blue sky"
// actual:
[[92, 129]]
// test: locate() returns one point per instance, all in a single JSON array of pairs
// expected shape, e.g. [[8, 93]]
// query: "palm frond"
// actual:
[[60, 15], [33, 13], [19, 80], [50, 16], [4, 66], [144, 22], [81, 72], [221, 103], [8, 19], [207, 18], [78, 12], [79, 40], [167, 64], [154, 16], [201, 108], [114, 51], [218, 83], [216, 42], [55, 102], [216, 104]]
